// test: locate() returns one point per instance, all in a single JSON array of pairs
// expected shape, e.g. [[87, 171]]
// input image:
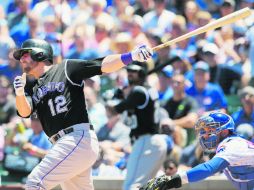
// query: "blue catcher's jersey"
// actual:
[[239, 153]]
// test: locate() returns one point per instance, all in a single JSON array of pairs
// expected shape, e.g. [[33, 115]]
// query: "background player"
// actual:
[[216, 130], [149, 148], [57, 96]]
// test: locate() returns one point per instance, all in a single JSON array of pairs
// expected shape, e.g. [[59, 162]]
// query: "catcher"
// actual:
[[216, 131]]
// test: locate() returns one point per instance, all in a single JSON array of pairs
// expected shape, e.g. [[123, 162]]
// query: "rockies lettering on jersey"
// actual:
[[57, 96], [50, 87]]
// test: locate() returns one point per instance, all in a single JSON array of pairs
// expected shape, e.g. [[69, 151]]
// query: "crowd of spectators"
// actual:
[[211, 71]]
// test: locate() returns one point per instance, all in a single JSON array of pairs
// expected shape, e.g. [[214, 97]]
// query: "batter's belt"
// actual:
[[61, 133]]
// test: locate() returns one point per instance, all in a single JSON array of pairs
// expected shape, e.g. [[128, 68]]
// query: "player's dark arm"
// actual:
[[204, 170], [135, 99], [108, 64], [78, 70]]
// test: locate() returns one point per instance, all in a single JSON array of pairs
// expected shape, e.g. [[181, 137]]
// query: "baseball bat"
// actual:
[[228, 19]]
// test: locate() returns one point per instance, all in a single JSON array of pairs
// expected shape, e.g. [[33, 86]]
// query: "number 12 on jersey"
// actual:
[[58, 105]]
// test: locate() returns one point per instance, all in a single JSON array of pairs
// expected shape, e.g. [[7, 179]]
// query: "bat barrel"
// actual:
[[228, 19]]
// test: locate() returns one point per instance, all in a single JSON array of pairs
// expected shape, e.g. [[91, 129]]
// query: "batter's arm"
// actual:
[[23, 106], [112, 63]]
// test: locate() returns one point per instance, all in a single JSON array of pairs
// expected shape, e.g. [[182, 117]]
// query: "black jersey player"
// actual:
[[149, 148], [57, 97]]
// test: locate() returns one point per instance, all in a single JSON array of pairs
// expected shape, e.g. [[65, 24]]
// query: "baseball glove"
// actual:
[[163, 183]]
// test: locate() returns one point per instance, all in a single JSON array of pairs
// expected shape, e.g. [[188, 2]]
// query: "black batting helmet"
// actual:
[[40, 50], [139, 67]]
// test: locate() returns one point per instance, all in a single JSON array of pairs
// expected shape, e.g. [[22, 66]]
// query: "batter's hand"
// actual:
[[163, 183], [142, 53], [19, 84]]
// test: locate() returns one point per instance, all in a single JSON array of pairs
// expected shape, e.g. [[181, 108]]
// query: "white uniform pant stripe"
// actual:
[[71, 158], [64, 157]]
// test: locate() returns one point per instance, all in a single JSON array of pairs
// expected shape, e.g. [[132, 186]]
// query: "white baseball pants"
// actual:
[[68, 163]]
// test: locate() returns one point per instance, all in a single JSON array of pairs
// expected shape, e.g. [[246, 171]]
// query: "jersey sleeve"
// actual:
[[77, 70], [136, 98]]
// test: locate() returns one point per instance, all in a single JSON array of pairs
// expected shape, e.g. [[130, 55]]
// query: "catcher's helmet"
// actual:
[[40, 50], [210, 126]]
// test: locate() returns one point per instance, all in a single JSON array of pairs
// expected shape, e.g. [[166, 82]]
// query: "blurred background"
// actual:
[[220, 63]]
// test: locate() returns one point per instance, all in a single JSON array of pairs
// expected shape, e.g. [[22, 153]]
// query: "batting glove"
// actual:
[[19, 84], [163, 183], [142, 53]]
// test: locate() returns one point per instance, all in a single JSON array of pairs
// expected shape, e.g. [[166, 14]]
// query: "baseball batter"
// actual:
[[57, 97]]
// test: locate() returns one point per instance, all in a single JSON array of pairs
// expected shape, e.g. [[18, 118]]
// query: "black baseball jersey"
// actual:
[[141, 102], [57, 96]]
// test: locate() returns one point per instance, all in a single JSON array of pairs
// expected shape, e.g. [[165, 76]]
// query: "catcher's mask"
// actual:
[[209, 128], [39, 50]]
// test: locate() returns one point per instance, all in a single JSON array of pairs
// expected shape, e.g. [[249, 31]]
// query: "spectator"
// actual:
[[143, 6], [6, 42], [20, 34], [38, 143], [203, 18], [102, 37], [19, 17], [122, 42], [135, 25], [98, 13], [11, 68], [227, 7], [103, 169], [250, 39], [158, 20], [246, 113], [246, 131], [193, 155], [175, 138], [190, 12], [182, 108], [241, 46], [60, 10], [183, 66], [18, 22], [185, 49], [170, 167], [165, 80], [79, 48], [224, 75], [114, 130], [95, 109], [209, 96], [7, 101]]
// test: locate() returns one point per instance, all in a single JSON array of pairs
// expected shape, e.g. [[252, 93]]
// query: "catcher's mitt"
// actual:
[[163, 183]]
